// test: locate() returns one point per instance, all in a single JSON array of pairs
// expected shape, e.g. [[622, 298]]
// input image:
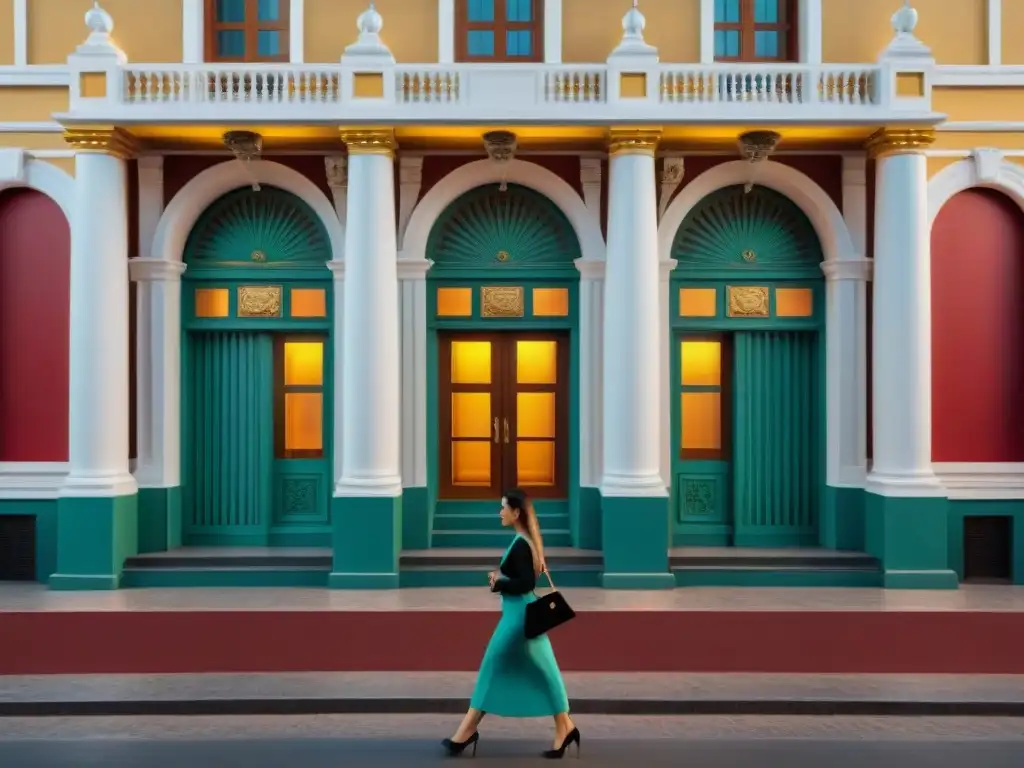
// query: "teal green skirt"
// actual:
[[519, 677]]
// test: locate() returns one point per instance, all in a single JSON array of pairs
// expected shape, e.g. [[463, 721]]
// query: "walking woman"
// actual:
[[518, 677]]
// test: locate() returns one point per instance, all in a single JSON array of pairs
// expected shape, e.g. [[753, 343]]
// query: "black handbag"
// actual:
[[547, 612]]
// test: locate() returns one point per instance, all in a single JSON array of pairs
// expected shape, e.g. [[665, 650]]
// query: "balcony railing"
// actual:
[[493, 92]]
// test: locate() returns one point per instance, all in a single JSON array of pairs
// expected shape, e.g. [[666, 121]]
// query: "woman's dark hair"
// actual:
[[519, 500]]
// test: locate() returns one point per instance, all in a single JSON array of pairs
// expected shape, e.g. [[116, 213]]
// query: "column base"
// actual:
[[634, 532], [94, 536], [159, 519], [909, 536], [367, 542]]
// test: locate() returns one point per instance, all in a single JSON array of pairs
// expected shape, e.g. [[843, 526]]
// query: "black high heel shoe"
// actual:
[[557, 754], [456, 748]]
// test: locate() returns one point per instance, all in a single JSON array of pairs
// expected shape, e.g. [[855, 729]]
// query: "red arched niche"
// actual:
[[978, 329], [35, 265]]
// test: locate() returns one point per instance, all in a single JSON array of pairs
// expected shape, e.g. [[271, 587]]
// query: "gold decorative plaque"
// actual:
[[501, 301], [259, 301], [748, 301]]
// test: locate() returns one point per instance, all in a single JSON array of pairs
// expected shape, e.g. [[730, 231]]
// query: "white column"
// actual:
[[446, 31], [158, 371], [810, 31], [20, 21], [846, 384], [297, 31], [371, 397], [412, 291], [553, 31], [632, 322], [591, 309], [193, 15], [901, 332], [707, 31], [98, 425]]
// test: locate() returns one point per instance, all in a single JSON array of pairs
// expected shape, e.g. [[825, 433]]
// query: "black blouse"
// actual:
[[517, 576]]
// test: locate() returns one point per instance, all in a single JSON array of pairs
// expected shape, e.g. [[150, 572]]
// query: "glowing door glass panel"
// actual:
[[700, 398], [303, 413], [308, 302], [472, 428], [536, 413]]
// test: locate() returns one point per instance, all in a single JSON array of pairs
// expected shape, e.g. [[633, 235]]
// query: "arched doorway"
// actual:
[[747, 373], [503, 364], [257, 374]]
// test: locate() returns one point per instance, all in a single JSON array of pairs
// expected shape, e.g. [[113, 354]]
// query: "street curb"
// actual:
[[437, 706]]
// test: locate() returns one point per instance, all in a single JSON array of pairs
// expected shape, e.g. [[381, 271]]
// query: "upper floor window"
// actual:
[[755, 30], [499, 30], [247, 30]]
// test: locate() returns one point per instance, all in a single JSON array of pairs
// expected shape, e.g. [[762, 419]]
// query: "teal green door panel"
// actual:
[[702, 503], [302, 475], [230, 491], [778, 456]]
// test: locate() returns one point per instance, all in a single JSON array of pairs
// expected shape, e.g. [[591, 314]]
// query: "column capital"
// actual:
[[847, 269], [413, 269], [366, 141], [155, 270], [634, 141], [105, 140], [899, 141]]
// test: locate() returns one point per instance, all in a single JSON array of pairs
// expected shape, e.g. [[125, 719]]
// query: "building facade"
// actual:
[[700, 275]]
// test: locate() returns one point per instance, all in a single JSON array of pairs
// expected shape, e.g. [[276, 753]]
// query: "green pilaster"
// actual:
[[94, 536], [159, 519], [909, 536], [842, 519], [367, 541], [635, 533], [587, 527], [416, 520]]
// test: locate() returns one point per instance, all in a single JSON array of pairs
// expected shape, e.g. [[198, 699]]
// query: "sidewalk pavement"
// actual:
[[448, 693]]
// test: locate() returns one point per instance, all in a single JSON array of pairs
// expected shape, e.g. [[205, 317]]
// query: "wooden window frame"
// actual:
[[463, 26], [251, 27], [747, 27], [724, 389], [280, 390], [503, 390]]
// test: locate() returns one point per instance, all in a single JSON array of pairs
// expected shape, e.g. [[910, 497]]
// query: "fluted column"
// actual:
[[906, 520], [634, 497], [367, 509], [97, 511]]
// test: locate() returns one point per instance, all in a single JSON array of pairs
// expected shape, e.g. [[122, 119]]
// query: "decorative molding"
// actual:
[[899, 141], [848, 269], [552, 31], [981, 480], [297, 31], [191, 201], [995, 32], [108, 141], [747, 301], [978, 76], [32, 126], [979, 170], [410, 179], [30, 480], [20, 33], [35, 75], [144, 269], [52, 181], [828, 222], [672, 171], [481, 172], [446, 32], [364, 142], [193, 21], [634, 141]]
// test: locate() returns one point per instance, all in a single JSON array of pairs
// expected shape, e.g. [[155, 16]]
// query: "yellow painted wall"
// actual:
[[592, 28], [31, 104], [33, 140], [990, 104], [147, 30], [410, 28], [1013, 27], [858, 30], [6, 32]]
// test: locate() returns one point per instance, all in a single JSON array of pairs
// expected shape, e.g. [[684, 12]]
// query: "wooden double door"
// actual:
[[503, 415]]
